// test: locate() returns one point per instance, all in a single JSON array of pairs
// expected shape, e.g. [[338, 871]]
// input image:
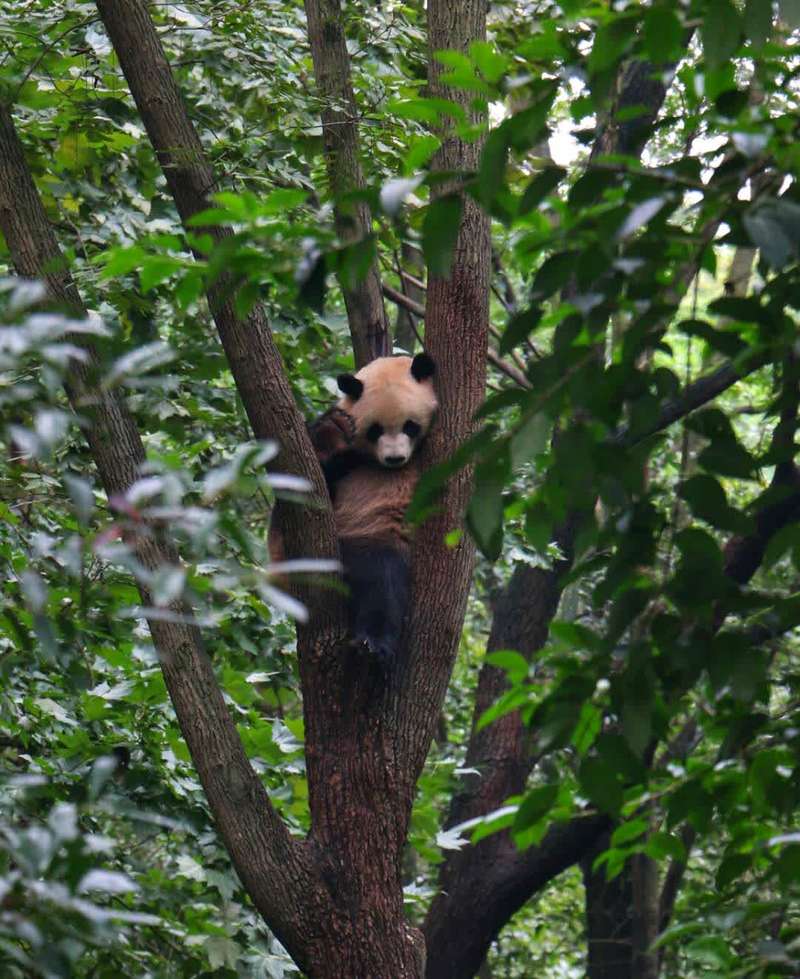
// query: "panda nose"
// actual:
[[394, 460]]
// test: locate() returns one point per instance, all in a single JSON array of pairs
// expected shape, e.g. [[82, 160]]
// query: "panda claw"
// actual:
[[379, 648]]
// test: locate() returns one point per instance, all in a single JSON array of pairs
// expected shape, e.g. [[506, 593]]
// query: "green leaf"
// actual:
[[535, 806], [554, 274], [630, 830], [774, 228], [440, 233], [428, 110], [490, 64], [492, 168], [721, 32], [663, 35], [732, 868], [155, 269], [541, 185], [420, 151], [518, 328], [599, 782], [662, 845], [485, 511], [707, 500], [611, 41], [589, 724], [512, 663], [758, 21], [530, 439]]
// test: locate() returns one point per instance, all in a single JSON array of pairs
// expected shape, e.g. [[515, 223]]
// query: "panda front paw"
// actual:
[[332, 433], [381, 648]]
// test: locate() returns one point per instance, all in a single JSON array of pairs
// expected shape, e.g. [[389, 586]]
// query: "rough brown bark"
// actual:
[[638, 84], [456, 336], [646, 917], [609, 919], [274, 868], [366, 314], [360, 788]]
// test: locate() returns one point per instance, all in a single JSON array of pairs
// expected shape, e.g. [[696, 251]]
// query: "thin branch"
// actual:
[[492, 356], [697, 394]]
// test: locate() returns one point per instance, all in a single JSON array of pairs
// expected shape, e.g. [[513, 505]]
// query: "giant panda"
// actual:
[[367, 445]]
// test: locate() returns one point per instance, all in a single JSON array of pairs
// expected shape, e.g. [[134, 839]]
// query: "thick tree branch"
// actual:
[[694, 396], [274, 868], [248, 343], [497, 881], [369, 327]]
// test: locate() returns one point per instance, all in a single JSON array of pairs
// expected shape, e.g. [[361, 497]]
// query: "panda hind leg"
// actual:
[[379, 581]]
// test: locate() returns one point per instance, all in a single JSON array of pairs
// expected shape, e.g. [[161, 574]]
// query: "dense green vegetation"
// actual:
[[659, 276]]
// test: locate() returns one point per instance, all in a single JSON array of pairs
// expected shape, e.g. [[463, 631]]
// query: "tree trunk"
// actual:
[[365, 740], [405, 336], [456, 336], [500, 752], [609, 919], [366, 314]]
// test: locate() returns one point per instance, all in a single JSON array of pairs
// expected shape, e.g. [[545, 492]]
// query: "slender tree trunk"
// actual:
[[609, 919], [645, 925], [366, 314], [405, 336], [456, 336]]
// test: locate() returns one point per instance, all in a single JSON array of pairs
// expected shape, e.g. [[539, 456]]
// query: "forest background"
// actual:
[[589, 214]]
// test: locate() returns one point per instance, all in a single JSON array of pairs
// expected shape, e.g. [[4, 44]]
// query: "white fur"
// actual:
[[391, 397]]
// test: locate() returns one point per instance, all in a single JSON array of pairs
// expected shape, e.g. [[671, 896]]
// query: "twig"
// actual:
[[494, 358]]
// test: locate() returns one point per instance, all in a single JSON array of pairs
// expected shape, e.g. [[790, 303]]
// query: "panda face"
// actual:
[[392, 402], [393, 448]]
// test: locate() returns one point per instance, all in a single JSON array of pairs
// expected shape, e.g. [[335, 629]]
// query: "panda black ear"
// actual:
[[351, 386], [422, 367]]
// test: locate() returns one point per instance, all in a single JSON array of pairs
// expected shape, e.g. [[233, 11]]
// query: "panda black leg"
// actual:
[[379, 582]]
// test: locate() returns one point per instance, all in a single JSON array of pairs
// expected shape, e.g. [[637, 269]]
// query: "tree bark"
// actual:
[[365, 742], [366, 314], [405, 335], [456, 336], [609, 919], [274, 868]]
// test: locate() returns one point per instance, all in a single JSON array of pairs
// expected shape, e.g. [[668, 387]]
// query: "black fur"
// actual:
[[350, 385], [379, 581], [422, 367], [337, 467]]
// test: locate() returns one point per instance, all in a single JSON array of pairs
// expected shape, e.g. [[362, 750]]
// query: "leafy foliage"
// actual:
[[666, 695]]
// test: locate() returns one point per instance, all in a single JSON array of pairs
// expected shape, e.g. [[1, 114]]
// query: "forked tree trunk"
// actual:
[[365, 740]]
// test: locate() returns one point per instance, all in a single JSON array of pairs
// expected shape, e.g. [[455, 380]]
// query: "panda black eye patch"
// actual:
[[374, 432], [411, 429]]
